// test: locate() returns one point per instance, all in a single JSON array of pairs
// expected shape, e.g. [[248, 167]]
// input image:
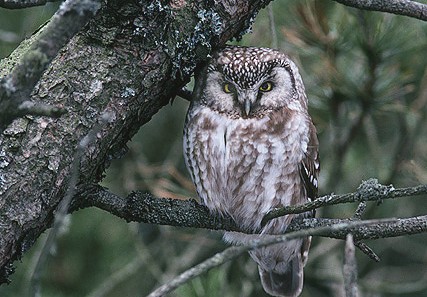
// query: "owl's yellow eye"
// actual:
[[228, 88], [266, 86]]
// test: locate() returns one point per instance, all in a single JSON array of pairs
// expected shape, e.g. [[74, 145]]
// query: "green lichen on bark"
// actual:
[[7, 63], [193, 47]]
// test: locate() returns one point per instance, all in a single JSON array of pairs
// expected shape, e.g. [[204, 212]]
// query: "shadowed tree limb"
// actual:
[[143, 207]]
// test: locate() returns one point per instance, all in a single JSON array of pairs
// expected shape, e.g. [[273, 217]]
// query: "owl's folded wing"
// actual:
[[310, 165]]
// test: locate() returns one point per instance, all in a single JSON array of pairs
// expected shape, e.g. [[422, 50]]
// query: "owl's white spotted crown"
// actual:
[[246, 65]]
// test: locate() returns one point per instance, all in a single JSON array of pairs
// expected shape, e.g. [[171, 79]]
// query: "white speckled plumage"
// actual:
[[244, 164]]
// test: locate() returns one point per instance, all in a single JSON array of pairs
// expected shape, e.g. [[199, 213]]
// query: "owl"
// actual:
[[250, 146]]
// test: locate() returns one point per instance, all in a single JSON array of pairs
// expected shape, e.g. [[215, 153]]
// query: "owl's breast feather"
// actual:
[[245, 166]]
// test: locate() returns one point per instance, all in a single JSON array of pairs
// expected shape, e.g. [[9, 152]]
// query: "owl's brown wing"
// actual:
[[310, 165]]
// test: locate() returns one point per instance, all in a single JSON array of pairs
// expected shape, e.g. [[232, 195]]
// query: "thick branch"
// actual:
[[16, 87], [401, 7], [142, 207]]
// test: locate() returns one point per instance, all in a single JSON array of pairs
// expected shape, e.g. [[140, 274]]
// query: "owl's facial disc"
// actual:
[[252, 82]]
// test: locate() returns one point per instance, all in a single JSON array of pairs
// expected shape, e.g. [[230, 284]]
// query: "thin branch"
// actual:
[[235, 251], [400, 7], [363, 247], [384, 228], [350, 268], [16, 87], [360, 245], [360, 210], [369, 190], [64, 205], [18, 4], [217, 260]]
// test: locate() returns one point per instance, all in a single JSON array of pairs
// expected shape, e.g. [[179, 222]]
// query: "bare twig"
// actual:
[[401, 7], [63, 207], [350, 268], [369, 190], [360, 210], [367, 250], [360, 245], [16, 87]]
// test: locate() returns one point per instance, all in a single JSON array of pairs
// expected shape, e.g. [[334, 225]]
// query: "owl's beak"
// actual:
[[248, 105]]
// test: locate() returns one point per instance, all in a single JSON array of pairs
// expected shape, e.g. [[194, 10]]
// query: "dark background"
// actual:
[[365, 74]]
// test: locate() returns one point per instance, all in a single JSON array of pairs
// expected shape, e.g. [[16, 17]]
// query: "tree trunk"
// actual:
[[129, 61]]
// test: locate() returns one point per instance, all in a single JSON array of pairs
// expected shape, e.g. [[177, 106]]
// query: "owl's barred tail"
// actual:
[[286, 284]]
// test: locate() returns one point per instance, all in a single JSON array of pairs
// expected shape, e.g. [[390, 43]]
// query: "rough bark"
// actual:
[[16, 87], [129, 61]]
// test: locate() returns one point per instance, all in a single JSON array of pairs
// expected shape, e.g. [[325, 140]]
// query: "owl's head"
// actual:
[[249, 82]]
